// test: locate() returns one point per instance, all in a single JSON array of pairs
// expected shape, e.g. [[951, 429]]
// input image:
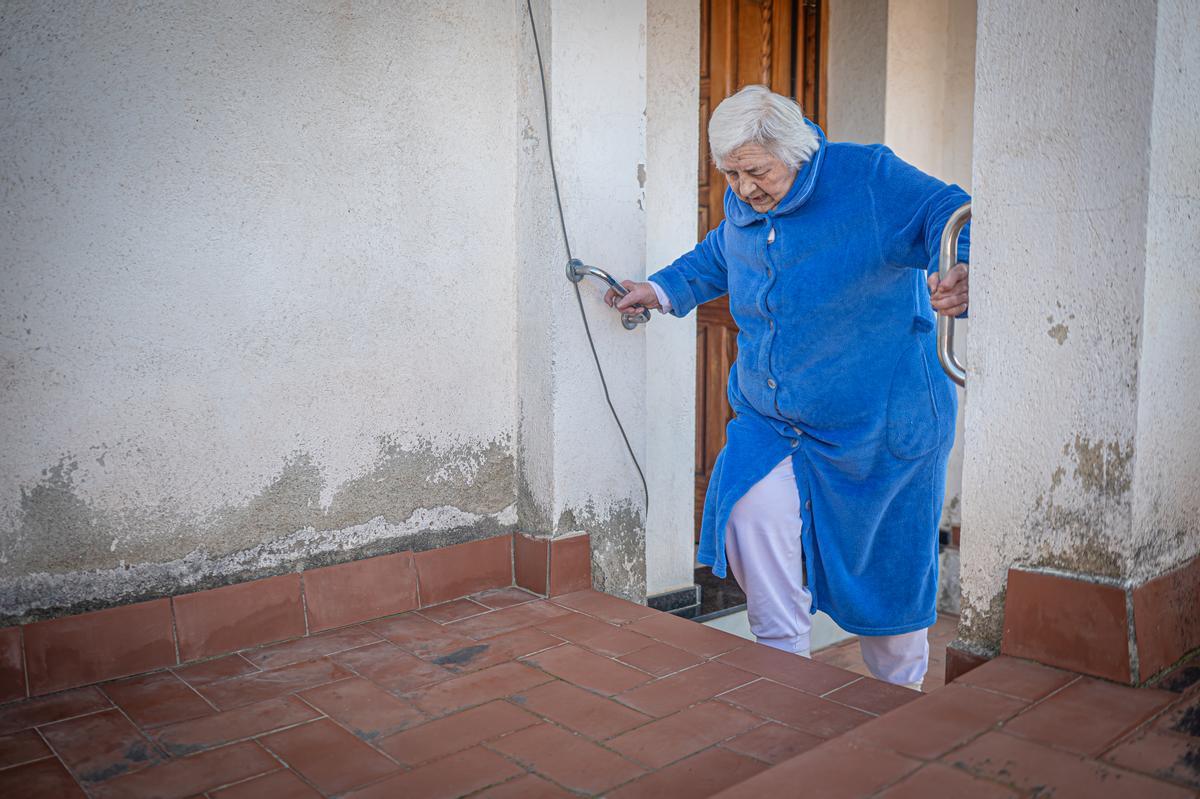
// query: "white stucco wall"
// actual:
[[1070, 305], [856, 70], [282, 286], [1166, 491], [672, 94]]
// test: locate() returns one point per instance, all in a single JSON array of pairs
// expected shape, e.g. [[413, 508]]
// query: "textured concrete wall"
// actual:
[[282, 286], [1166, 491], [1082, 450], [929, 123], [672, 94], [856, 72], [257, 281]]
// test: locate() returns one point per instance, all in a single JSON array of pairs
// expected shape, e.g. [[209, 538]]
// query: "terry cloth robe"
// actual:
[[837, 365]]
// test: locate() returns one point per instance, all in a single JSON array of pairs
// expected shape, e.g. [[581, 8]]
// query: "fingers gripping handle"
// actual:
[[577, 270], [945, 324]]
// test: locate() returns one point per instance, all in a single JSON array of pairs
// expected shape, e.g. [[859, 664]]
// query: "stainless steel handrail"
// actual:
[[577, 270], [945, 324]]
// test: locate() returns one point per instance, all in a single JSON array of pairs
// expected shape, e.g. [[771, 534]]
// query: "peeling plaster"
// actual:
[[70, 552], [618, 541]]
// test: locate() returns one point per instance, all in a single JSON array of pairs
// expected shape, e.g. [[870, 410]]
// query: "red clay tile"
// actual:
[[188, 737], [155, 699], [1030, 767], [348, 593], [675, 737], [772, 743], [605, 606], [587, 669], [12, 665], [580, 710], [454, 776], [450, 572], [222, 620], [101, 645], [498, 598], [364, 708], [101, 746], [44, 710], [456, 732], [873, 696], [282, 784], [42, 779], [499, 649], [938, 780], [390, 666], [531, 562], [328, 757], [1166, 623], [209, 671], [507, 619], [262, 685], [843, 768], [527, 786], [939, 721], [1089, 715], [418, 635], [686, 634], [191, 775], [794, 671], [660, 659], [1023, 679], [310, 647], [676, 691], [453, 610], [22, 747], [570, 565], [478, 687], [959, 661], [797, 709], [1076, 625], [617, 642], [1170, 757], [578, 627], [569, 760], [699, 775]]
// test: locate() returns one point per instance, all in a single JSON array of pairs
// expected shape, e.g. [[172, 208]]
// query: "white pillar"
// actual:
[[1084, 452]]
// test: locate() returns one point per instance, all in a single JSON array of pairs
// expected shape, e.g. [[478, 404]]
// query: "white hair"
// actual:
[[760, 116]]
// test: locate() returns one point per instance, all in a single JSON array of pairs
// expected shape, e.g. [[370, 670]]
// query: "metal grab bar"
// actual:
[[945, 324], [577, 270]]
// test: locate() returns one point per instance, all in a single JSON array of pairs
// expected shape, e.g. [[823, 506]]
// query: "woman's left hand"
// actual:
[[949, 297]]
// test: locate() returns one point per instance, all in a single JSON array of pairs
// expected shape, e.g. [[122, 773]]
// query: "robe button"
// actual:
[[770, 382], [795, 443], [808, 504], [797, 430]]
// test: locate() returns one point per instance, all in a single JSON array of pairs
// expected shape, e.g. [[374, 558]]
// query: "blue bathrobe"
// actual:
[[837, 366]]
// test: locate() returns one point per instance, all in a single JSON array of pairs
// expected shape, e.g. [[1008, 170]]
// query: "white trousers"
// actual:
[[762, 545]]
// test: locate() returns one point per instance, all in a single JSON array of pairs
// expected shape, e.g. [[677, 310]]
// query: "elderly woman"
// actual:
[[844, 419]]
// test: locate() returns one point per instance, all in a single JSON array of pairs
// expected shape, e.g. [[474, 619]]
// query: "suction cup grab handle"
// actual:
[[577, 270]]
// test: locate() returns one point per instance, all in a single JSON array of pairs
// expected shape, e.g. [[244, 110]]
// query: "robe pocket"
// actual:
[[913, 427]]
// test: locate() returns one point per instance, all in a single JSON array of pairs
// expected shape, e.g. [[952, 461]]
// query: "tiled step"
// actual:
[[1009, 728]]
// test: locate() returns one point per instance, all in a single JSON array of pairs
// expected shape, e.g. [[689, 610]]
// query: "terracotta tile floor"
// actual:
[[847, 654], [516, 696]]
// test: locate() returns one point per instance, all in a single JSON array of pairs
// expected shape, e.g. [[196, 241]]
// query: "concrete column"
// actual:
[[1080, 490], [574, 474], [672, 172]]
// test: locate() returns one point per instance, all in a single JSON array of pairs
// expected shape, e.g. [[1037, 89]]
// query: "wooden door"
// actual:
[[778, 43]]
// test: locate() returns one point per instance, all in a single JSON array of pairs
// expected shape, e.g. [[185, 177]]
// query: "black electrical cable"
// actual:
[[562, 220]]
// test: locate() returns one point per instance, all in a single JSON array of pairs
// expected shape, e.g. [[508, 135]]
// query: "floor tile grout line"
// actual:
[[54, 754], [1143, 726]]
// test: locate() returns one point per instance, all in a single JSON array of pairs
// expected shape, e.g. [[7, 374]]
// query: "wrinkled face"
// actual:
[[757, 176]]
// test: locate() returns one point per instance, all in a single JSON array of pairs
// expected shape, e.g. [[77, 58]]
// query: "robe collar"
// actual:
[[741, 214]]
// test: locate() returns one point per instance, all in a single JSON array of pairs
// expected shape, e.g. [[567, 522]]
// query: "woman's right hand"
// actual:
[[641, 296]]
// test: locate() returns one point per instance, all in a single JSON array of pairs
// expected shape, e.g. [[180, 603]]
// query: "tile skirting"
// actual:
[[960, 660], [56, 654], [1123, 633]]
